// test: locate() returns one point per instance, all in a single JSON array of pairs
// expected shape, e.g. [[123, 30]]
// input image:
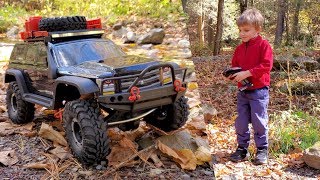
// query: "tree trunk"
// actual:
[[210, 33], [218, 36], [251, 3], [184, 5], [200, 29], [295, 25], [201, 26], [280, 22], [243, 4]]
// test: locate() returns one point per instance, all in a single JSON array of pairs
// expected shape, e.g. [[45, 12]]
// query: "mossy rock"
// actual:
[[295, 63], [302, 88]]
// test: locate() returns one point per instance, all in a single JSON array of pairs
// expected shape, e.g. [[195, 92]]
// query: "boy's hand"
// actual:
[[237, 77]]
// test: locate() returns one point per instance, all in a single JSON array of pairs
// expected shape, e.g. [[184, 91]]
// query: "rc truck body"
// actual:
[[66, 65]]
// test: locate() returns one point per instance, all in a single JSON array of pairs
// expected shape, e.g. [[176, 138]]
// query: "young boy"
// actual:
[[255, 58]]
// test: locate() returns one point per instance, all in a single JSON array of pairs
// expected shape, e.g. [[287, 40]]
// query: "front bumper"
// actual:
[[150, 97]]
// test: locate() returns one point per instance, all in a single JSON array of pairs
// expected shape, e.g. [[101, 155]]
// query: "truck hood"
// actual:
[[109, 67]]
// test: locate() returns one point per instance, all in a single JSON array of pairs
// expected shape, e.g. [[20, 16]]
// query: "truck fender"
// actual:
[[84, 85], [16, 75]]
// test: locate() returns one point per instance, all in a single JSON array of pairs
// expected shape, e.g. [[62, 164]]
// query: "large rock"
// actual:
[[155, 36], [311, 156], [120, 33], [130, 37], [302, 62], [302, 88]]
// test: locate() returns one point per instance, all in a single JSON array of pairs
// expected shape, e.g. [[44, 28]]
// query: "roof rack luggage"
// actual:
[[32, 32]]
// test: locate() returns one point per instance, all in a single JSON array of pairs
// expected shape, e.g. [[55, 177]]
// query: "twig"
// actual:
[[128, 160]]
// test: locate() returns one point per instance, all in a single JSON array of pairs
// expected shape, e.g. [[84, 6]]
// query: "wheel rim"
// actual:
[[162, 114], [14, 103], [76, 131]]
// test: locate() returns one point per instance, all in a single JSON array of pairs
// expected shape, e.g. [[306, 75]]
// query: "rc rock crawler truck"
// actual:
[[65, 64]]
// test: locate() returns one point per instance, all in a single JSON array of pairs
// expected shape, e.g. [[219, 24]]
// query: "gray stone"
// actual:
[[75, 169], [147, 46], [208, 173], [153, 53], [103, 163], [99, 167], [185, 177], [311, 156], [302, 88], [301, 62], [120, 33], [117, 26], [155, 36], [130, 37], [13, 33], [184, 43]]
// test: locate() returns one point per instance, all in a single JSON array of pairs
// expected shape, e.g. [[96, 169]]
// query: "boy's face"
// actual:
[[247, 32]]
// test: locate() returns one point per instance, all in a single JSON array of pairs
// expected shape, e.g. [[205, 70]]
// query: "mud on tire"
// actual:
[[19, 111], [170, 117], [86, 131], [62, 23]]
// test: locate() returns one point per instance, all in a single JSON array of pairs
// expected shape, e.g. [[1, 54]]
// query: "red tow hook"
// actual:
[[135, 94], [178, 86], [58, 114]]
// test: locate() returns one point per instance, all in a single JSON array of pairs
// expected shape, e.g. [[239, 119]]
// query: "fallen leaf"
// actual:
[[115, 134], [48, 132], [167, 150], [127, 143], [38, 166], [157, 162], [203, 155], [192, 102], [3, 109], [7, 128], [192, 86], [184, 157], [191, 160], [118, 155], [3, 119], [8, 158], [61, 153], [137, 133], [197, 123]]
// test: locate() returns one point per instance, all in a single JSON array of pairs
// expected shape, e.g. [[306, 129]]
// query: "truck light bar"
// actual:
[[73, 34]]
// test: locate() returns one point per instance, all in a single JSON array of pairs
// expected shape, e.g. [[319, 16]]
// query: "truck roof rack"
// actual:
[[32, 33], [59, 36]]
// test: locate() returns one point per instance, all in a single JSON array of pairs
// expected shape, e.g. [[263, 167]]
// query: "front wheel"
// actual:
[[86, 131], [170, 117]]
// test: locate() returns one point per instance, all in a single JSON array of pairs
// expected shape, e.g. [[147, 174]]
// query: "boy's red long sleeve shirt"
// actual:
[[255, 56]]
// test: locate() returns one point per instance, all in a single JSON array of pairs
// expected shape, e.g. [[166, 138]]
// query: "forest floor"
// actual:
[[30, 148]]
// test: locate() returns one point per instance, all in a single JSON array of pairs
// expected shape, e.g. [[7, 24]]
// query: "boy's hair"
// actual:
[[251, 17]]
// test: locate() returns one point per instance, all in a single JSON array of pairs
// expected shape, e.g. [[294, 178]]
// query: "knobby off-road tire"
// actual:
[[86, 131], [170, 117], [62, 23], [19, 111]]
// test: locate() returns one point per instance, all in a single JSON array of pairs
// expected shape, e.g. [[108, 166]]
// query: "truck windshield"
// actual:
[[77, 52]]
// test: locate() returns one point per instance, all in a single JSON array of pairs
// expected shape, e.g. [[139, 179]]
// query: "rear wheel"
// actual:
[[86, 131], [19, 111], [170, 117]]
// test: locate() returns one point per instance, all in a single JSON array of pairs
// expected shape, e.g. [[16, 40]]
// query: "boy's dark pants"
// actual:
[[252, 108]]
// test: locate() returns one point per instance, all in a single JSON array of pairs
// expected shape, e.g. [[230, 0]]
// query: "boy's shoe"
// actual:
[[241, 154], [261, 157]]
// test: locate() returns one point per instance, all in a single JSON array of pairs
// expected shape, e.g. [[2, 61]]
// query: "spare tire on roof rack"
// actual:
[[63, 23]]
